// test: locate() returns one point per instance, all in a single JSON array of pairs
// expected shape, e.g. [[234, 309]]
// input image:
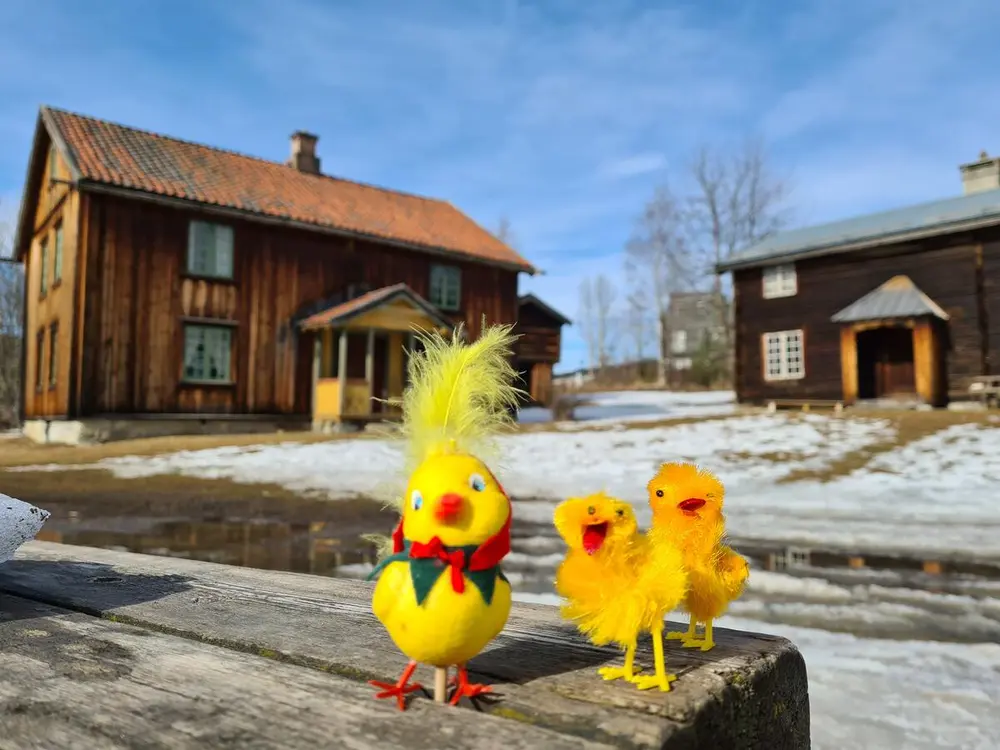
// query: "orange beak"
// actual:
[[448, 507]]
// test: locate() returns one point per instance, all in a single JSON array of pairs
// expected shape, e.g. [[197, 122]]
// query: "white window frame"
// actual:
[[57, 252], [217, 341], [210, 250], [44, 269], [446, 287], [780, 281], [678, 342], [784, 355]]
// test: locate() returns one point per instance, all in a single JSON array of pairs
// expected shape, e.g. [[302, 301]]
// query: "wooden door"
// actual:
[[894, 372]]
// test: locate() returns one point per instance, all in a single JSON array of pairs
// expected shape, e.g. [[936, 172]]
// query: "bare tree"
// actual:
[[658, 262], [587, 317], [604, 295], [738, 202], [636, 321], [11, 306]]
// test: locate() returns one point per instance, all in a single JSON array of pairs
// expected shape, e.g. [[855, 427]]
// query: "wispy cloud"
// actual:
[[561, 115]]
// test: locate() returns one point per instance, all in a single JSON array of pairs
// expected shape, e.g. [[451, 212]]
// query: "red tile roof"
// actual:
[[368, 301], [111, 154]]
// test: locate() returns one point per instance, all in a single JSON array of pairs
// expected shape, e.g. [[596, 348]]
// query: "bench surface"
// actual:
[[107, 650]]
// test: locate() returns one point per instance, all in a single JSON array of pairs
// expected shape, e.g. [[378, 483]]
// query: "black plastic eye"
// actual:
[[591, 510], [619, 512], [659, 493]]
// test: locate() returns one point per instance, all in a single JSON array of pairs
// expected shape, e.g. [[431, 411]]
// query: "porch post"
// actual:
[[317, 360], [849, 363], [342, 371], [370, 369]]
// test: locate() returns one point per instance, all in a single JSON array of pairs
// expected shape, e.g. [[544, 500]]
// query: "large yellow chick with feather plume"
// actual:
[[615, 583], [441, 593]]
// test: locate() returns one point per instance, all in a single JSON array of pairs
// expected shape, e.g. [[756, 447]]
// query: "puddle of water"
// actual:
[[318, 547]]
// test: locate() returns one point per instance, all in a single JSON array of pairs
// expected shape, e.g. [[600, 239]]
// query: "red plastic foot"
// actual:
[[400, 690], [465, 688]]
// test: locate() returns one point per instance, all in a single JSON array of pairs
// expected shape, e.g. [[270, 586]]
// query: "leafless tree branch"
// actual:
[[658, 262]]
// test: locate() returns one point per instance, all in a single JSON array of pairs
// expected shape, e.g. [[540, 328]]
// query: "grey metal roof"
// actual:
[[899, 297], [898, 225]]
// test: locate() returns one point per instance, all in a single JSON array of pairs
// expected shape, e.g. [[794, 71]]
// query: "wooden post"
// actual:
[[317, 359], [370, 369], [342, 372], [849, 363], [440, 684]]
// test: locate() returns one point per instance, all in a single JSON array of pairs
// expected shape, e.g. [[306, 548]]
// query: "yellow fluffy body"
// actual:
[[716, 572], [623, 589]]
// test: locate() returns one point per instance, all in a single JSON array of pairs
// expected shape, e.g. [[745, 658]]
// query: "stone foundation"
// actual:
[[104, 430]]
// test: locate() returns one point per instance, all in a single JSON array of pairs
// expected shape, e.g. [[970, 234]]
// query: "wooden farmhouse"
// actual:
[[900, 305], [174, 287]]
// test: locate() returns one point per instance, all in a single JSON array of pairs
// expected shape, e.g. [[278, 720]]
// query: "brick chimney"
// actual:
[[981, 175], [303, 156]]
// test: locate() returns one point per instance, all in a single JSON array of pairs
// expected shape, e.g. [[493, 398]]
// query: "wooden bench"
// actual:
[[102, 649]]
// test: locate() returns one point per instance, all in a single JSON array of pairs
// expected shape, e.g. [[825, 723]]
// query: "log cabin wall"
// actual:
[[945, 270], [540, 335], [50, 315], [139, 296], [990, 281]]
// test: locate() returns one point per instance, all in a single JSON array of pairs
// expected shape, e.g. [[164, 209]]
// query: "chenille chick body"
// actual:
[[687, 504], [615, 583]]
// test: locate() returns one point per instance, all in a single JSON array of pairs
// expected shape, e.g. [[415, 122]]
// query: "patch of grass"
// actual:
[[909, 426]]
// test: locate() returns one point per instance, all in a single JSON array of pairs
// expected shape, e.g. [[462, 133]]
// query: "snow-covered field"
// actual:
[[638, 406], [870, 687]]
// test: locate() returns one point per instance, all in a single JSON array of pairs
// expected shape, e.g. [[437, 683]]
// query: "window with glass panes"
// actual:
[[44, 269], [210, 250], [446, 287], [784, 358], [57, 253], [207, 353]]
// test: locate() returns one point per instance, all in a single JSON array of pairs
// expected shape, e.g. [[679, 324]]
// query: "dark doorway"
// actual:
[[885, 363], [380, 381]]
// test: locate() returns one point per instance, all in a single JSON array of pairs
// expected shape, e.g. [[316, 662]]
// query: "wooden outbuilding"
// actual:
[[902, 305]]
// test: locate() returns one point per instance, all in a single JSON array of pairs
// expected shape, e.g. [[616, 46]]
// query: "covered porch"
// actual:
[[892, 346], [360, 354]]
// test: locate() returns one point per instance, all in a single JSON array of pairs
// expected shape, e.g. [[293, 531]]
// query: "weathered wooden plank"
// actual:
[[750, 692], [73, 681]]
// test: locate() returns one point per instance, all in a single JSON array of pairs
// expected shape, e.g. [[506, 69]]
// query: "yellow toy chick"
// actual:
[[441, 594], [617, 585], [687, 513]]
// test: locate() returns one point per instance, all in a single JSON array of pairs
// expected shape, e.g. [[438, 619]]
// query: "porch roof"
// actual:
[[899, 297], [343, 312]]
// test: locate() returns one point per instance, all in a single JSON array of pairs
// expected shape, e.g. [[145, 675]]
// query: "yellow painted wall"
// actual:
[[396, 316], [327, 402]]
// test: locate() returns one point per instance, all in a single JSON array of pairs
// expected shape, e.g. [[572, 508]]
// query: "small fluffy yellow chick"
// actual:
[[616, 584], [687, 513]]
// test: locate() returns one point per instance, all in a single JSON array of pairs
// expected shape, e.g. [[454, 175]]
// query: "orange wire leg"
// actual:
[[400, 690], [465, 688]]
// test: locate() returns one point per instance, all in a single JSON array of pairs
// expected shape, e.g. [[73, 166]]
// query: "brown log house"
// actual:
[[902, 305], [174, 287]]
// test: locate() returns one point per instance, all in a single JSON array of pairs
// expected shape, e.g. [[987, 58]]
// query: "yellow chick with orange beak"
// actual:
[[687, 513], [441, 593], [615, 583]]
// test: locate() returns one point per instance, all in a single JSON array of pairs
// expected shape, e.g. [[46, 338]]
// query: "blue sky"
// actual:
[[562, 115]]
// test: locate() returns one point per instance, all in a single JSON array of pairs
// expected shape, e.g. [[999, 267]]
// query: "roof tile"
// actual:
[[116, 155]]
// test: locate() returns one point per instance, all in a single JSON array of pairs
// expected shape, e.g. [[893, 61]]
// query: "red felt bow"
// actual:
[[455, 558], [486, 556]]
